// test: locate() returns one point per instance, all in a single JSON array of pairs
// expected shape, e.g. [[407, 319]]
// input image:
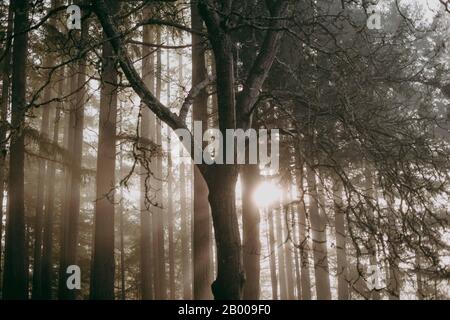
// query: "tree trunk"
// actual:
[[289, 263], [370, 193], [42, 163], [250, 225], [47, 246], [394, 280], [319, 238], [6, 85], [71, 218], [201, 220], [170, 191], [230, 274], [157, 212], [15, 284], [184, 235], [294, 235], [341, 253], [272, 252], [302, 234], [280, 250], [103, 265], [146, 243]]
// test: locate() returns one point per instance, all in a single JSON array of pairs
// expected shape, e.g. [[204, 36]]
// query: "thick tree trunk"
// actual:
[[319, 238], [15, 284], [230, 274], [6, 85], [201, 219], [103, 265], [341, 253], [250, 225]]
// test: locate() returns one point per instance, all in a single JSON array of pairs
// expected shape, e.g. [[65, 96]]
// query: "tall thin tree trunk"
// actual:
[[319, 237], [288, 261], [184, 235], [121, 217], [272, 252], [4, 103], [170, 198], [103, 265], [155, 132], [294, 235], [47, 246], [71, 216], [201, 219], [146, 243], [15, 284], [42, 163], [303, 240], [394, 280], [370, 192], [280, 250], [341, 253]]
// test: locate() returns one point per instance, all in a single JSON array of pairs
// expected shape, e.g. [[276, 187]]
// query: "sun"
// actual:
[[266, 194]]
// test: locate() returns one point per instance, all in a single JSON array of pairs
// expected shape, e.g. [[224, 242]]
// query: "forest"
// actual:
[[116, 182]]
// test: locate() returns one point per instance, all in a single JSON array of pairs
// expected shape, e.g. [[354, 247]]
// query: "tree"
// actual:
[[201, 225], [4, 106], [71, 213], [102, 274], [146, 245], [15, 274]]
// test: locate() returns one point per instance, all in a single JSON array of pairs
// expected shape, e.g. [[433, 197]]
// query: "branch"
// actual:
[[193, 93], [160, 110], [263, 63]]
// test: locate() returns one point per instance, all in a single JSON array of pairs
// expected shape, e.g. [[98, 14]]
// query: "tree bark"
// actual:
[[230, 274], [272, 251], [47, 246], [156, 164], [250, 225], [146, 243], [71, 218], [201, 225], [280, 250], [103, 265], [15, 284], [184, 235], [319, 238], [370, 193], [170, 198], [341, 253], [6, 85], [302, 234]]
